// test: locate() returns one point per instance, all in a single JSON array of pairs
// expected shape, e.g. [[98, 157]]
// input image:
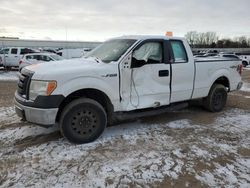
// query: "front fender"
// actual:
[[109, 86]]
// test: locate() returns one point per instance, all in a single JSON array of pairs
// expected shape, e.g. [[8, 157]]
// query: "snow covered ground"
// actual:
[[137, 154], [247, 67], [189, 148], [245, 87], [8, 75]]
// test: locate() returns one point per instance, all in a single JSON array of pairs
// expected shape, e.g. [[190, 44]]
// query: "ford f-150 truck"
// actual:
[[125, 77]]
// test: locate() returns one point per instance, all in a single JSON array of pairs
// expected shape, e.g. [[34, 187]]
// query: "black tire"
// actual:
[[83, 121], [216, 99], [244, 63]]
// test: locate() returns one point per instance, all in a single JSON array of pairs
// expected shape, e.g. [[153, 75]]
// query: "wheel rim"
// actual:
[[85, 123], [217, 100]]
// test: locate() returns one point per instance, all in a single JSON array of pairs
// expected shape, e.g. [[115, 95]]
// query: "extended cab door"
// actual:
[[183, 71], [145, 76]]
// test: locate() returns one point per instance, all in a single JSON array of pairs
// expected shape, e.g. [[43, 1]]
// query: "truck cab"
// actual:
[[130, 76]]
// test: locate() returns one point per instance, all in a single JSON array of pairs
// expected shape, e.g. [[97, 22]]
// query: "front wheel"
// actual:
[[216, 99], [83, 121]]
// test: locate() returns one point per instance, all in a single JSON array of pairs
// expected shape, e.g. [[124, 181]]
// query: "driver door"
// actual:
[[145, 76]]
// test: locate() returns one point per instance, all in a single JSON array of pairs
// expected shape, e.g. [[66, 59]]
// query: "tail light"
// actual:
[[240, 69], [20, 62]]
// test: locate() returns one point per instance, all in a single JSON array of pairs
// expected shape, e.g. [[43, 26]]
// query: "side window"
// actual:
[[36, 57], [45, 58], [13, 51], [22, 51], [28, 57], [180, 55], [5, 51], [148, 53]]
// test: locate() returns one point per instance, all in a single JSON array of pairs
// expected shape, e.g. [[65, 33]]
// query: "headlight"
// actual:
[[44, 88]]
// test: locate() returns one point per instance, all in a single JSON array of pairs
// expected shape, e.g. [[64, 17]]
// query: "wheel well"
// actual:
[[94, 94], [223, 81], [245, 62]]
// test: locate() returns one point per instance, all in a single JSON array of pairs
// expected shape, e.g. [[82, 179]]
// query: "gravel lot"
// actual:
[[187, 148]]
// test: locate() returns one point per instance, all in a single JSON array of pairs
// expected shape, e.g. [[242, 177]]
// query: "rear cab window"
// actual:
[[179, 51]]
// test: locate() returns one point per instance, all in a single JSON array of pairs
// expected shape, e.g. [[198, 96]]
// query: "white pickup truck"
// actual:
[[10, 57], [125, 77]]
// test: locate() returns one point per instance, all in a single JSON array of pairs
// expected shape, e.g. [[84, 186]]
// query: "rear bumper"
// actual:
[[43, 117], [236, 86], [239, 86]]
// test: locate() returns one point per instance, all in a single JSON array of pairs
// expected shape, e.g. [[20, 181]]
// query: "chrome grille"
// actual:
[[23, 84]]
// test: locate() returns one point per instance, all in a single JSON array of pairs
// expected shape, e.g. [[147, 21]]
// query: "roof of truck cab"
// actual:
[[145, 37]]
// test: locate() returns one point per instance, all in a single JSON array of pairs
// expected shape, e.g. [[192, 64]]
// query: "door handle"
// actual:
[[163, 73]]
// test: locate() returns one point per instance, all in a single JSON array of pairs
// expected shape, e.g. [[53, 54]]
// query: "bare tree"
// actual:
[[192, 37], [248, 42], [210, 37], [201, 39]]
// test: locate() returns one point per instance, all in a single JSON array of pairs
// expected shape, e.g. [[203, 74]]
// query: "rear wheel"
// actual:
[[216, 99], [83, 121]]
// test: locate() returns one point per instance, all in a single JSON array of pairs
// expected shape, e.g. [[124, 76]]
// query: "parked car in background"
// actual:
[[34, 58], [11, 56], [245, 57], [212, 54], [73, 53], [232, 56]]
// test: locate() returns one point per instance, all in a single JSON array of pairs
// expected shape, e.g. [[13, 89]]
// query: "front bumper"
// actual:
[[44, 117], [42, 111]]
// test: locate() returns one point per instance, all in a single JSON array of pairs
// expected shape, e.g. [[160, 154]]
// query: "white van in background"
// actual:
[[73, 53], [11, 56]]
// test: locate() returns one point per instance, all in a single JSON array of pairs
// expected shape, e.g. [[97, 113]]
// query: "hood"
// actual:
[[73, 67]]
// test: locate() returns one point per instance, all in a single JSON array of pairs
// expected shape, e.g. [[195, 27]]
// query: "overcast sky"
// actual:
[[102, 19]]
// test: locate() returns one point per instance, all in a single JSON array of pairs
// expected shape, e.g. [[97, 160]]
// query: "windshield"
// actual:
[[111, 50], [56, 57]]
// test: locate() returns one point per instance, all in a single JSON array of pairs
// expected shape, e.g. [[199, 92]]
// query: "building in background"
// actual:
[[53, 44]]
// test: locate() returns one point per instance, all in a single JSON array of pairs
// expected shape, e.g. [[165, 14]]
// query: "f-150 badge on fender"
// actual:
[[109, 75]]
